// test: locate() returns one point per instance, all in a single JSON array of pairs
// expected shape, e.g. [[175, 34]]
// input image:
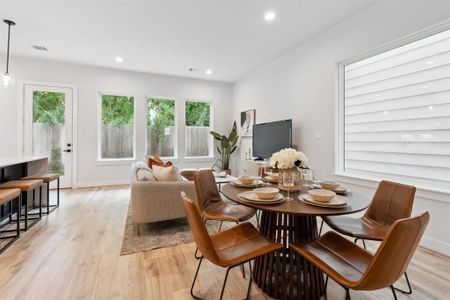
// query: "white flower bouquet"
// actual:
[[289, 158]]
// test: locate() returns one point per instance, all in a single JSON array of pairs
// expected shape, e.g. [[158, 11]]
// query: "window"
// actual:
[[117, 127], [198, 125], [161, 130], [395, 115]]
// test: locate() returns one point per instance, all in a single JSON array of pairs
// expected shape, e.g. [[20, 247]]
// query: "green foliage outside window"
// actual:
[[160, 114], [197, 113], [160, 117], [48, 107], [117, 110]]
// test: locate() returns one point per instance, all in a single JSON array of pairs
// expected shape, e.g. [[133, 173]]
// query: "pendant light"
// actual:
[[6, 77]]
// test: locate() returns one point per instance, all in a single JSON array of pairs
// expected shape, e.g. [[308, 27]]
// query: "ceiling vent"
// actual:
[[39, 48]]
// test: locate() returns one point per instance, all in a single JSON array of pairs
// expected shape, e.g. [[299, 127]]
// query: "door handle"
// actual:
[[67, 150]]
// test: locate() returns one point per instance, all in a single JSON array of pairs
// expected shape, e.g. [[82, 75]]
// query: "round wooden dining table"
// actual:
[[284, 274]]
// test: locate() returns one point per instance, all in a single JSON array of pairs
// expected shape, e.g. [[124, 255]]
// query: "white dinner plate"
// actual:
[[250, 196], [339, 190], [254, 184], [336, 202]]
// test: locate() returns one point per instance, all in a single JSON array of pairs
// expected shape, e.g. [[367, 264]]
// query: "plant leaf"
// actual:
[[216, 135]]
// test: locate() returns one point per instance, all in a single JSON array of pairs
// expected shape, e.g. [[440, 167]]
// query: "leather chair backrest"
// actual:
[[392, 201], [395, 252], [199, 232], [206, 188]]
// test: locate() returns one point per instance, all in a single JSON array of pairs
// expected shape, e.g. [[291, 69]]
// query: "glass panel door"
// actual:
[[48, 128]]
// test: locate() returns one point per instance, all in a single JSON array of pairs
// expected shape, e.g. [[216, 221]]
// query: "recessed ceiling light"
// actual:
[[119, 59], [208, 72], [430, 62], [269, 16]]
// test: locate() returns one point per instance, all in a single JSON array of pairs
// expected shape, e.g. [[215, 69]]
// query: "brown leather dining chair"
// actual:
[[211, 204], [355, 268], [392, 201], [229, 248]]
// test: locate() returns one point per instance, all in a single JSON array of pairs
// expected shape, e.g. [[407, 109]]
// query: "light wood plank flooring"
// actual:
[[74, 254]]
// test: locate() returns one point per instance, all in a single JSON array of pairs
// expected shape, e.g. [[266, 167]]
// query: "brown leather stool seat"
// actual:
[[228, 248], [8, 195], [355, 268], [47, 178], [25, 186]]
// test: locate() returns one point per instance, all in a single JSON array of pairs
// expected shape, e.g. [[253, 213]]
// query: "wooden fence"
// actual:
[[117, 142], [48, 140]]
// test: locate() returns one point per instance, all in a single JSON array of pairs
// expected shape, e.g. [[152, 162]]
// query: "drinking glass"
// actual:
[[288, 180], [317, 177], [307, 177]]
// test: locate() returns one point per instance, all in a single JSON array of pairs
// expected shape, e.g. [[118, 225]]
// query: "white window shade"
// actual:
[[397, 114]]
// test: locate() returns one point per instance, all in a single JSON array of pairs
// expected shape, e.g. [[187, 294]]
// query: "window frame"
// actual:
[[99, 129], [210, 155], [339, 168], [176, 121]]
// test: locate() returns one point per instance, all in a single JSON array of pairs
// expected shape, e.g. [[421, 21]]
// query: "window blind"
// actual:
[[397, 114]]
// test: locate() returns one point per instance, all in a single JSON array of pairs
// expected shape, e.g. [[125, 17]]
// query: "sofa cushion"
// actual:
[[166, 173], [142, 172]]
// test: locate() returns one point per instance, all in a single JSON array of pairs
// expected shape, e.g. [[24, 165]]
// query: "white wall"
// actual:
[[92, 80], [302, 85]]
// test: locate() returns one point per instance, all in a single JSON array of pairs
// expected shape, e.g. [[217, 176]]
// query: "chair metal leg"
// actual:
[[249, 281], [325, 295], [40, 202], [363, 241], [195, 278], [321, 226], [347, 294], [409, 291], [48, 198], [221, 223], [393, 292], [26, 210], [224, 282]]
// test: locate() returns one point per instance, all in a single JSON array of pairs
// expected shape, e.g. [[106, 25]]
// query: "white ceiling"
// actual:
[[230, 37]]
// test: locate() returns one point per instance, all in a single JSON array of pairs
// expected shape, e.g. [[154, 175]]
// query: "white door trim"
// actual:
[[21, 119]]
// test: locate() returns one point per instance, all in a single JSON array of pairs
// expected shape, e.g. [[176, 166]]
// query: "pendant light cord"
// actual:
[[7, 48]]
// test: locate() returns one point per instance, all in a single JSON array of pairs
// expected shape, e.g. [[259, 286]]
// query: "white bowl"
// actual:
[[329, 185], [266, 192], [322, 195], [246, 180]]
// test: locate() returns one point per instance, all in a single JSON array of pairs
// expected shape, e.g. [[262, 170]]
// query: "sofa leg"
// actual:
[[138, 226]]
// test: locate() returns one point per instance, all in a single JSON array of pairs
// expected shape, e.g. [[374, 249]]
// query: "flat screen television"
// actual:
[[269, 138]]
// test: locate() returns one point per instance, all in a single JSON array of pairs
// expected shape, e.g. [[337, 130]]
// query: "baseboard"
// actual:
[[436, 245], [102, 183]]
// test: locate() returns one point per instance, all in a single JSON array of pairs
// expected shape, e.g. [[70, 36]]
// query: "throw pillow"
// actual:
[[143, 172], [155, 160], [166, 173]]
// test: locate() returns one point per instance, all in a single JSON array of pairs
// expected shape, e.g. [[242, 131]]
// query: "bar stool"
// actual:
[[8, 196], [26, 186], [48, 178]]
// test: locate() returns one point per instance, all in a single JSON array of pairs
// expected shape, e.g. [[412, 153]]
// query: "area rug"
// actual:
[[160, 234]]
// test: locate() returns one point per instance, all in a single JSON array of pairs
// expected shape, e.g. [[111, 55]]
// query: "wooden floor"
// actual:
[[74, 254]]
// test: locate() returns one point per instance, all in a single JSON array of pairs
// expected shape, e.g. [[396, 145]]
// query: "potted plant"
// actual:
[[226, 146]]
